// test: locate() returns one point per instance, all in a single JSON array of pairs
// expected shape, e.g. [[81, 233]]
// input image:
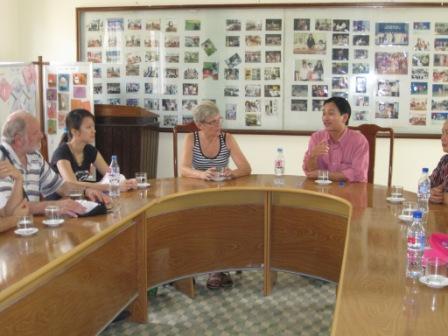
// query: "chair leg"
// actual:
[[186, 286]]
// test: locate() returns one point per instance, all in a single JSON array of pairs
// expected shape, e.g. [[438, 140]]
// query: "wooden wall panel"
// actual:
[[84, 298], [204, 239]]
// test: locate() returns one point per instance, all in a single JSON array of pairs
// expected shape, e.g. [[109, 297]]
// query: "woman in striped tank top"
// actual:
[[204, 151], [210, 147]]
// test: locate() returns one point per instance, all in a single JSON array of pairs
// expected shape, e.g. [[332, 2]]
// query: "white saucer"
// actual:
[[434, 281], [53, 222], [405, 218], [323, 182], [26, 232], [395, 199], [143, 185]]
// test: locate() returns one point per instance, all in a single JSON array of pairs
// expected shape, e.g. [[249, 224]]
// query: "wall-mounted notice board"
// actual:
[[67, 87], [271, 67]]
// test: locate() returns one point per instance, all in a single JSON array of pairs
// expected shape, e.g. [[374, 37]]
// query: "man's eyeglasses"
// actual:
[[214, 122]]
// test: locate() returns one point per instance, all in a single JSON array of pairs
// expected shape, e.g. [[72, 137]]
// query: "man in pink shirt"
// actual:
[[338, 149]]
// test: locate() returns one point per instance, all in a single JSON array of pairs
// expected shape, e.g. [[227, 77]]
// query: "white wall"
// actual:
[[48, 28], [9, 31]]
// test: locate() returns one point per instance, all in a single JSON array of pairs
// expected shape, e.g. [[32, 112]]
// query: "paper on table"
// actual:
[[89, 205]]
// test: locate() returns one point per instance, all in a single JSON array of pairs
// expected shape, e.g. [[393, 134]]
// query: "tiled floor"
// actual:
[[297, 306]]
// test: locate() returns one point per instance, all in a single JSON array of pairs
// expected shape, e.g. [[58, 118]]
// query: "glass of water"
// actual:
[[142, 180], [322, 175], [396, 192], [25, 222], [435, 270], [76, 194], [53, 214], [220, 173], [408, 209]]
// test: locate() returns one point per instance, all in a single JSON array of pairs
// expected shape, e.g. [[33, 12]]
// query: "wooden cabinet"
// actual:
[[131, 133]]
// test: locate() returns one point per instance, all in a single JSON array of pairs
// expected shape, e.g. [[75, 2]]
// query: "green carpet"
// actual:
[[298, 306]]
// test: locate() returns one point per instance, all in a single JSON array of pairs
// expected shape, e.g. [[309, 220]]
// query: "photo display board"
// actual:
[[66, 87], [272, 68]]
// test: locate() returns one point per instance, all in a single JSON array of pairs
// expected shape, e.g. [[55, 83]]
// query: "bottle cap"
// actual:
[[425, 170], [114, 157], [279, 149], [417, 214]]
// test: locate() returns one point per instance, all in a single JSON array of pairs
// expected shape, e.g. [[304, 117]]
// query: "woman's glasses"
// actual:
[[214, 122]]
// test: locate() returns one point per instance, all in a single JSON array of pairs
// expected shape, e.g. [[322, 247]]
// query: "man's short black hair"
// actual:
[[342, 105]]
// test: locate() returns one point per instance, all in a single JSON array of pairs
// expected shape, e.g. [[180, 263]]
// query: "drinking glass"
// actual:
[[322, 175], [25, 222], [53, 214], [397, 191], [408, 208], [141, 179], [435, 270], [76, 194], [220, 173]]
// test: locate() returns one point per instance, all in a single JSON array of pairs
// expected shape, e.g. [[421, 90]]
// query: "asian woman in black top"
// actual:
[[75, 155]]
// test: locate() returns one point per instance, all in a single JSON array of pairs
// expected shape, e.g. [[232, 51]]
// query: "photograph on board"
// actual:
[[310, 43], [392, 33]]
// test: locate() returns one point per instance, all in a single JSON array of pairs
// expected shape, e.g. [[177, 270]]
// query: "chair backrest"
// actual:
[[370, 131], [44, 147], [187, 128]]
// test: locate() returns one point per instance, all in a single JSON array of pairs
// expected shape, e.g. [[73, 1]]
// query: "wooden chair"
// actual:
[[44, 147], [370, 131], [187, 128]]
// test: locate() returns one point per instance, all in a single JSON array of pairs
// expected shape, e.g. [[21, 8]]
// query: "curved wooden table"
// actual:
[[76, 278]]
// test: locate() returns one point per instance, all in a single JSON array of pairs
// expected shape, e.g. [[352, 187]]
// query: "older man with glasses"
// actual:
[[21, 141]]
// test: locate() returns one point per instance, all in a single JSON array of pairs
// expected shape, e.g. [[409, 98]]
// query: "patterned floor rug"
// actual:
[[298, 306]]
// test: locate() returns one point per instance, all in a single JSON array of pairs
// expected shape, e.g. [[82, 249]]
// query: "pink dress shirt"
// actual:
[[349, 155]]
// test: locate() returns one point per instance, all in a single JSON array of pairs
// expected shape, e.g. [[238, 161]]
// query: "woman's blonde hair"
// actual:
[[205, 110]]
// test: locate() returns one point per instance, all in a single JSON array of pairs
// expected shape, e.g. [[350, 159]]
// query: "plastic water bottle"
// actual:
[[114, 178], [416, 240], [279, 163], [423, 191]]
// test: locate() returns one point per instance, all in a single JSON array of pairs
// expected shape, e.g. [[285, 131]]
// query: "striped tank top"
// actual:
[[202, 162]]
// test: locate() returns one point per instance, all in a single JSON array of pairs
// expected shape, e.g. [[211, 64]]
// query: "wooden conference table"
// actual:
[[74, 279]]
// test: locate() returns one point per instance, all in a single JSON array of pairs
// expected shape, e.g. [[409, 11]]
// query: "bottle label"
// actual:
[[279, 164], [423, 189], [416, 241]]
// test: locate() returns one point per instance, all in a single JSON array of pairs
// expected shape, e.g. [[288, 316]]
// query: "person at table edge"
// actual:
[[439, 176], [336, 148], [15, 206], [206, 149], [76, 155], [209, 147], [21, 141]]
